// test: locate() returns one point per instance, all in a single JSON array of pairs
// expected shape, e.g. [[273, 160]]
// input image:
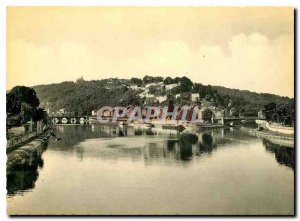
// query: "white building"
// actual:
[[149, 95], [161, 99], [150, 84], [62, 111], [143, 94], [177, 96], [94, 112], [171, 86], [134, 87], [146, 94], [195, 96], [218, 113]]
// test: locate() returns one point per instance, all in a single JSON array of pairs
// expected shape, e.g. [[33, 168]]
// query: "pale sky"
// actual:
[[245, 48]]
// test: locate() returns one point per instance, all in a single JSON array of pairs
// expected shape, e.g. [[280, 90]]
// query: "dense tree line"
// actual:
[[81, 98], [281, 113]]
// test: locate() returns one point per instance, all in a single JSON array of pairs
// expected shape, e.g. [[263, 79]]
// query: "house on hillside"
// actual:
[[94, 113], [62, 111], [260, 114], [161, 99], [134, 87], [195, 96], [170, 86], [188, 97], [146, 94], [149, 85]]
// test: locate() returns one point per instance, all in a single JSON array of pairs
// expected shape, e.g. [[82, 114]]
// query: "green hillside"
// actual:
[[83, 96]]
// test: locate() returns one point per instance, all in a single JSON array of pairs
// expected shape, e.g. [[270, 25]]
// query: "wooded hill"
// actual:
[[81, 97]]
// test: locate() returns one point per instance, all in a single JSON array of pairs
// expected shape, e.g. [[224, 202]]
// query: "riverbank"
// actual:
[[26, 154], [274, 137]]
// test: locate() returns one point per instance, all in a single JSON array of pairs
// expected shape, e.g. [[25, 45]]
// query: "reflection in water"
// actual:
[[185, 142], [284, 155], [138, 132], [171, 144], [144, 142], [18, 181], [73, 134], [180, 148], [207, 144], [105, 167], [22, 178]]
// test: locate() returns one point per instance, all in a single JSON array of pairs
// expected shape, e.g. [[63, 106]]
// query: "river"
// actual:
[[98, 169]]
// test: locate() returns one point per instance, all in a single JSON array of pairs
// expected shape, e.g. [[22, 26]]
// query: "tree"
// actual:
[[147, 79], [157, 79], [168, 80], [186, 84], [21, 106], [176, 80], [290, 119], [207, 114], [13, 121], [269, 111], [201, 89], [282, 113], [234, 112], [208, 97], [38, 114], [80, 80], [130, 98], [25, 94], [13, 104], [27, 113], [136, 81]]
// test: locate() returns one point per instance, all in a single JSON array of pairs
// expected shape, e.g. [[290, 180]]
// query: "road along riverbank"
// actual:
[[277, 138]]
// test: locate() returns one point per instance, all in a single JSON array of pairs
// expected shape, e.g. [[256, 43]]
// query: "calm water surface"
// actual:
[[104, 170]]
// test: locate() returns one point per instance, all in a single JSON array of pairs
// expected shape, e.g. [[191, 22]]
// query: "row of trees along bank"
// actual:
[[281, 113]]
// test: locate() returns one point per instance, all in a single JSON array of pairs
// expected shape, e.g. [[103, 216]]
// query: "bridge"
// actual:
[[59, 119], [81, 119], [70, 119]]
